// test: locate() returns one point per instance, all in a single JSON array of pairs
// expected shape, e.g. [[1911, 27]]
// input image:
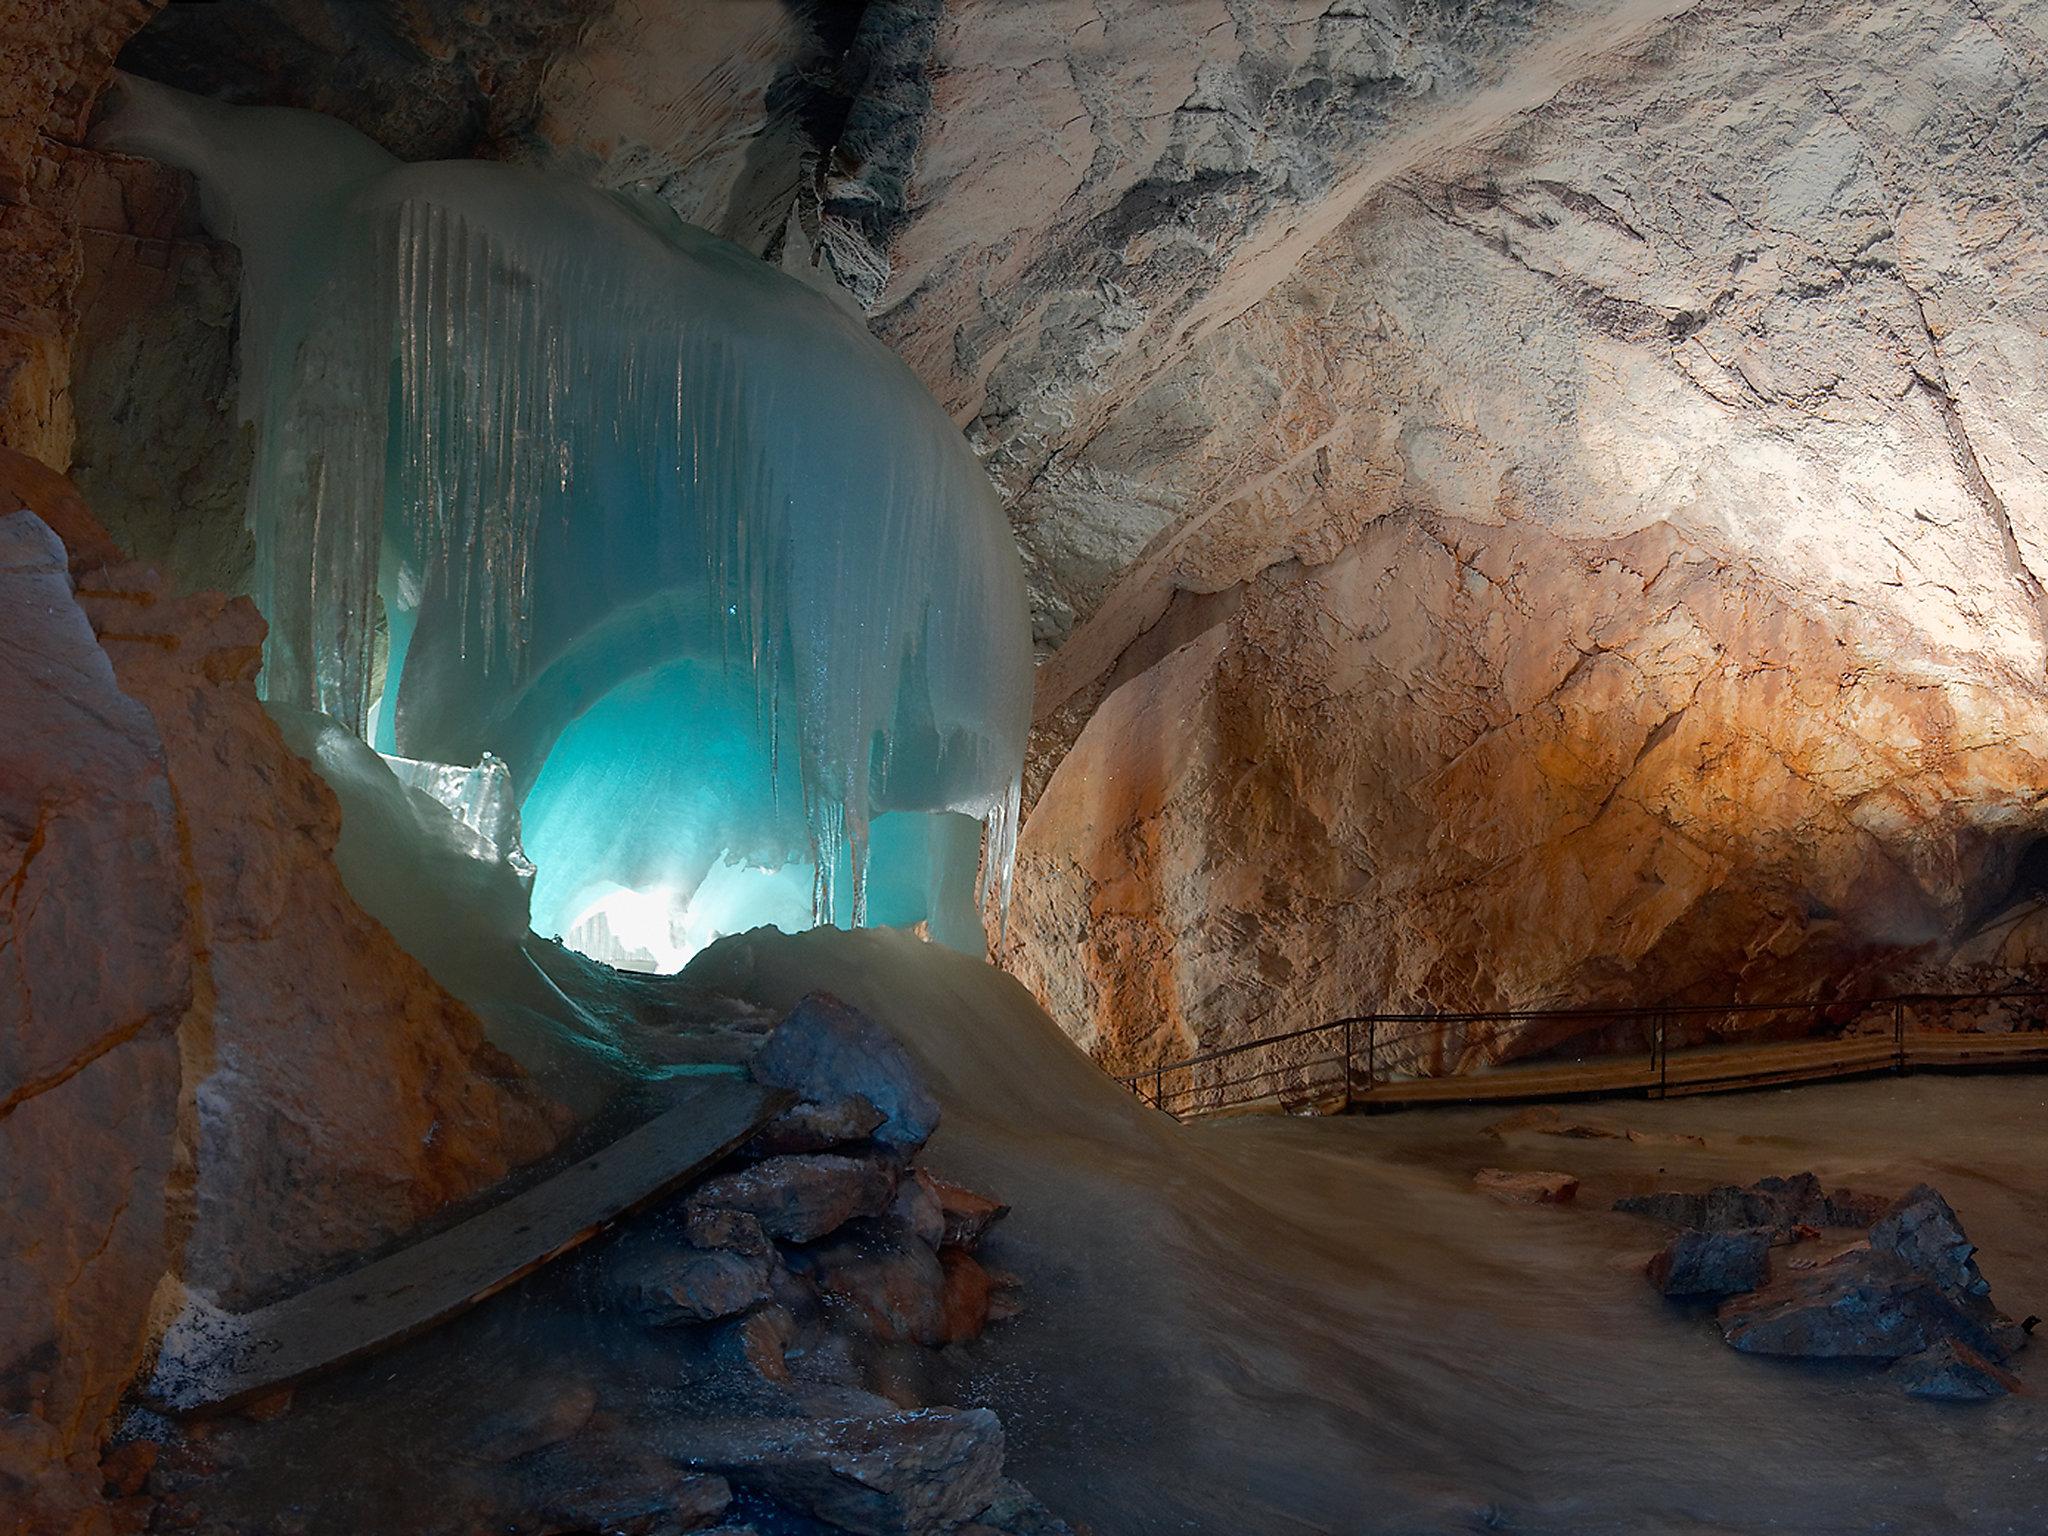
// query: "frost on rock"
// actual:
[[546, 473]]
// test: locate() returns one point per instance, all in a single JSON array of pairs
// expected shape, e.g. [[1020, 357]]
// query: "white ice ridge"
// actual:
[[545, 472]]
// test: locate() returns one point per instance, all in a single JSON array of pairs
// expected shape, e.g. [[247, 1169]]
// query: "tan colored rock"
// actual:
[[1607, 567], [1516, 1187]]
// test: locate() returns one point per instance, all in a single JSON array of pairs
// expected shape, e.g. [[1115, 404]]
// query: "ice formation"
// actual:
[[544, 472]]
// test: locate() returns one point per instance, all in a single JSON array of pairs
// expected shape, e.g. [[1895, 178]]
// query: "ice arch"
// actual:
[[543, 471]]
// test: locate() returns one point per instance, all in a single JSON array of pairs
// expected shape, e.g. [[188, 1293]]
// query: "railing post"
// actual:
[[1898, 1034], [1663, 1055], [1347, 1066], [1372, 1054], [1159, 1088]]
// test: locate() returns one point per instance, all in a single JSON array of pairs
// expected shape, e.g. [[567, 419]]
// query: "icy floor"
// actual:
[[1276, 1326]]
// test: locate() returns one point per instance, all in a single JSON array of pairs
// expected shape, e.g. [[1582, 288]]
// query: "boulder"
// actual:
[[967, 1295], [1865, 1305], [811, 1126], [1017, 1512], [1712, 1264], [799, 1199], [911, 1473], [968, 1215], [693, 1285], [718, 1227], [1922, 1232], [1952, 1373], [1527, 1188], [1779, 1205], [892, 1282], [825, 1050], [917, 1210], [1859, 1306]]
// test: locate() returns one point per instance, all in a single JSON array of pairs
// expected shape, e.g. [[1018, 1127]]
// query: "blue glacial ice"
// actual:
[[545, 473]]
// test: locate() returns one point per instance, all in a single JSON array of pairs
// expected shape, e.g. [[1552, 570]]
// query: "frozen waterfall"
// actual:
[[546, 473]]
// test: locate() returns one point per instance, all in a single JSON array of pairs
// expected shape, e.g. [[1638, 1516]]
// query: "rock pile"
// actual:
[[1909, 1295], [768, 1351]]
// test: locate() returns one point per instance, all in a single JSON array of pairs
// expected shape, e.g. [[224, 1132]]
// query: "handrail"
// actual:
[[1412, 1025]]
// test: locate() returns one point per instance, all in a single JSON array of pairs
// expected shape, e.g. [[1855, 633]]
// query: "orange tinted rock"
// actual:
[[1518, 1188], [96, 975], [966, 1296], [346, 1096]]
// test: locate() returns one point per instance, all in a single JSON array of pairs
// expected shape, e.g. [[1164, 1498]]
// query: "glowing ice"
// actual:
[[544, 472]]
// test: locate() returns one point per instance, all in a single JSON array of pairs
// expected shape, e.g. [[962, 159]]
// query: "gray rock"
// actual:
[[1016, 1511], [799, 1199], [912, 1473], [825, 1050], [1865, 1305], [1952, 1373], [1775, 1204], [719, 1227], [816, 1127], [694, 1285], [1860, 1306], [1922, 1232], [1712, 1263]]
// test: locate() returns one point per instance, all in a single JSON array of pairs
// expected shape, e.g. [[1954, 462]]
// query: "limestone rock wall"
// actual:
[[1606, 567], [54, 55], [89, 1056], [214, 1066]]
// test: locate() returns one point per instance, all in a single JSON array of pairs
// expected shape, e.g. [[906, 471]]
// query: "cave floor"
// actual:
[[1286, 1326], [1496, 1367]]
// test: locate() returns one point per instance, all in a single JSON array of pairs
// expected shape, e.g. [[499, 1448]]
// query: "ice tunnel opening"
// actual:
[[546, 474], [646, 855]]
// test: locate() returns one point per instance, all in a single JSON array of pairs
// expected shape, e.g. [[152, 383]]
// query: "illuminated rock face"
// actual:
[[216, 1068], [1619, 542]]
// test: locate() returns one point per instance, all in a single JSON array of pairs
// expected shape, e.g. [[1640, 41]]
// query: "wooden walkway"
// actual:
[[1683, 1073], [230, 1360]]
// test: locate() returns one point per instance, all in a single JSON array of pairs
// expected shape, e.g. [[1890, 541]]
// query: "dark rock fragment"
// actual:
[[825, 1050], [812, 1126], [800, 1199], [968, 1215], [893, 1283], [1952, 1373], [693, 1285], [915, 1473], [1712, 1264]]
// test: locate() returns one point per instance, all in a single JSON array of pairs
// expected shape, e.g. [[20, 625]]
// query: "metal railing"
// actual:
[[1346, 1063]]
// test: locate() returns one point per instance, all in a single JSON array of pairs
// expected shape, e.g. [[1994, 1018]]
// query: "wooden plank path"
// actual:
[[235, 1359], [1686, 1072]]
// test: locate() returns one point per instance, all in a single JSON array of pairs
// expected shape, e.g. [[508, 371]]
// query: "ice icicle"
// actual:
[[605, 496]]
